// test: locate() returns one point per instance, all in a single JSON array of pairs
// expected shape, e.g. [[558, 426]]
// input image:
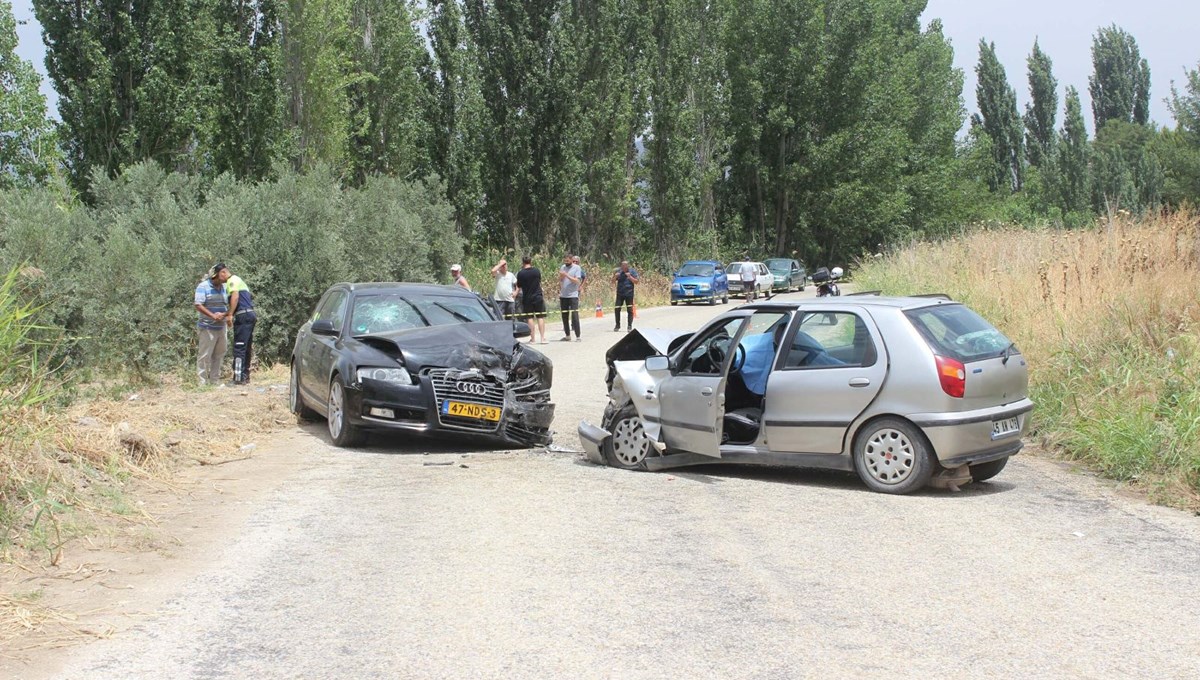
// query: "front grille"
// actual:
[[445, 381]]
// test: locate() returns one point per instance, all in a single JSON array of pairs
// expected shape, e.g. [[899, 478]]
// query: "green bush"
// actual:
[[119, 276]]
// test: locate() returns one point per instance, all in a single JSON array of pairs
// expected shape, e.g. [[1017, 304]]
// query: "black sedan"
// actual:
[[418, 358]]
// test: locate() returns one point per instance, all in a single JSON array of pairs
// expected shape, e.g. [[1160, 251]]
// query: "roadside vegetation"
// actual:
[[1109, 318]]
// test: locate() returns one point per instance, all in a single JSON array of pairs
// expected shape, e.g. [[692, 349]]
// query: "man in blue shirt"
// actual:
[[211, 304]]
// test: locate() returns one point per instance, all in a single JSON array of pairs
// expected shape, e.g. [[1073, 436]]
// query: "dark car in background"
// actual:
[[788, 274], [419, 358], [700, 281]]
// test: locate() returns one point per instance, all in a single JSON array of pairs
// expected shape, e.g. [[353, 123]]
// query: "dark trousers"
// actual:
[[626, 300], [243, 347], [570, 314]]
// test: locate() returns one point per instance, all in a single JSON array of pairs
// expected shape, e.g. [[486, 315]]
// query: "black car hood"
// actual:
[[487, 346]]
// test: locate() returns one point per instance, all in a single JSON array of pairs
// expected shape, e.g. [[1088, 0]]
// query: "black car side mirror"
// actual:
[[323, 327], [521, 329]]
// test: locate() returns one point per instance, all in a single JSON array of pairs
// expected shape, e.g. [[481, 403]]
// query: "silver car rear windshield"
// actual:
[[957, 332], [390, 312]]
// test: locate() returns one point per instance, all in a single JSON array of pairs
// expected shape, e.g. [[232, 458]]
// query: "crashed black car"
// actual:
[[418, 358]]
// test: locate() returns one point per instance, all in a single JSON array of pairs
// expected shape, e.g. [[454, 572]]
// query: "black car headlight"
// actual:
[[395, 376]]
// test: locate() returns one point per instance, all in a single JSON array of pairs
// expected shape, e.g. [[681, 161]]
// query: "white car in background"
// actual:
[[764, 281]]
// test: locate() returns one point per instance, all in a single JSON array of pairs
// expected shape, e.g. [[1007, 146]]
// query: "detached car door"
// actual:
[[832, 367], [692, 398]]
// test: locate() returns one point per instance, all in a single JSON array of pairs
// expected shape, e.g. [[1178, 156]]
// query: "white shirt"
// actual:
[[504, 286]]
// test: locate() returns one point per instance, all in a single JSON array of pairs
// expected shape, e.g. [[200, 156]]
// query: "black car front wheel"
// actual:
[[343, 433]]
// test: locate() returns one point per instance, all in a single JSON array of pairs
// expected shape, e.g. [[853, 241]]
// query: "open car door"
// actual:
[[692, 398]]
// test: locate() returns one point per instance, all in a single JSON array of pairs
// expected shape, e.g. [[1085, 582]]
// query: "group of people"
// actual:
[[519, 295], [224, 301]]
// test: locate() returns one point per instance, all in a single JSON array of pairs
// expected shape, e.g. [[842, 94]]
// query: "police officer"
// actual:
[[242, 318]]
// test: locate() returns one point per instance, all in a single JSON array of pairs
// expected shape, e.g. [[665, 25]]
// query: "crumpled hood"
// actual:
[[488, 346], [641, 344]]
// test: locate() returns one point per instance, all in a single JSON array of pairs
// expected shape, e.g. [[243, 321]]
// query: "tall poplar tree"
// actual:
[[456, 113], [127, 76], [1042, 107], [1120, 80], [390, 129], [999, 119], [28, 145], [1072, 156]]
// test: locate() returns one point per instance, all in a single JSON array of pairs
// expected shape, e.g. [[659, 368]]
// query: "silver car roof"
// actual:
[[900, 303]]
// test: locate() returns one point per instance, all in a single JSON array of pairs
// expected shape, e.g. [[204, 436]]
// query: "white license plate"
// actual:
[[689, 292], [1006, 427]]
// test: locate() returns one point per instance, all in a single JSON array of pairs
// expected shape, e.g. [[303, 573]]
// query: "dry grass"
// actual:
[[1108, 318]]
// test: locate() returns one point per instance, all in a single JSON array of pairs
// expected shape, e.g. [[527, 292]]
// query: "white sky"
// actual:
[[1165, 31]]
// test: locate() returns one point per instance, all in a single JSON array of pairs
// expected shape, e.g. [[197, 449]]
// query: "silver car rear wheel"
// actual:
[[892, 456], [628, 446]]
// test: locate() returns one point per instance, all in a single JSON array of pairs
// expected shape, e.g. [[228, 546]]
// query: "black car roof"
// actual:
[[406, 288]]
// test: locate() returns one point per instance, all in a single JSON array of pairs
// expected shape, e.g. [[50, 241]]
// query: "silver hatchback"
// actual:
[[904, 391]]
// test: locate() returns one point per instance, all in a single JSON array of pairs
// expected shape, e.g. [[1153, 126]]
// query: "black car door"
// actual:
[[318, 351]]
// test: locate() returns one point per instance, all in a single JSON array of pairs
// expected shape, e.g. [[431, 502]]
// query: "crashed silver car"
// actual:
[[903, 391], [419, 358]]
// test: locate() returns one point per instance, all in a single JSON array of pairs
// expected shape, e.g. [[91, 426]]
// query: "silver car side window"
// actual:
[[831, 340]]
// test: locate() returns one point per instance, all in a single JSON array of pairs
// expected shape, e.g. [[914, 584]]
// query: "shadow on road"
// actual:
[[827, 479]]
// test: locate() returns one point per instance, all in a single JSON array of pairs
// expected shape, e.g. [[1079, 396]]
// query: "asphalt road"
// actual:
[[407, 560]]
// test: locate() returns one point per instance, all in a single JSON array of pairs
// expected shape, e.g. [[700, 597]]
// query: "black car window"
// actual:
[[387, 312], [333, 309], [831, 339], [957, 332], [706, 356]]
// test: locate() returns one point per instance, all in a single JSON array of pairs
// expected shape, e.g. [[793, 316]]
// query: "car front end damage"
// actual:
[[462, 384]]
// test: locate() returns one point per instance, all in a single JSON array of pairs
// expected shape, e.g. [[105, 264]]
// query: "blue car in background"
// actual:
[[700, 281]]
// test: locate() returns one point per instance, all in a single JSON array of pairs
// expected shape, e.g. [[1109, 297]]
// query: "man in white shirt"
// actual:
[[506, 281]]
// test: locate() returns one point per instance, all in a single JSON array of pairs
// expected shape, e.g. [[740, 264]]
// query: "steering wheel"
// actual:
[[717, 351]]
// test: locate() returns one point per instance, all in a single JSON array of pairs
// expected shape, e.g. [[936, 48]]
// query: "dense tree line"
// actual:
[[671, 127]]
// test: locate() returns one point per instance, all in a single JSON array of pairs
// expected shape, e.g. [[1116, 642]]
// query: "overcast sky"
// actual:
[[1165, 31]]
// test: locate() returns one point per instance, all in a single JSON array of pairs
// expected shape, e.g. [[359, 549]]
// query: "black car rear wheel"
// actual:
[[303, 413], [343, 433]]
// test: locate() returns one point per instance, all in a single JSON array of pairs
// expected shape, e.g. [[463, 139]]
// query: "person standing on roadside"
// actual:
[[570, 275], [506, 282], [459, 279], [211, 304], [242, 318], [582, 276], [625, 278], [533, 305]]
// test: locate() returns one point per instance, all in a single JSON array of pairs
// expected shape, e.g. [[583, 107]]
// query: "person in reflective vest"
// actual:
[[242, 317]]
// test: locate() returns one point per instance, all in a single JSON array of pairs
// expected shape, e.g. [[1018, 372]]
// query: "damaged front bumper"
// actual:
[[524, 420], [593, 440]]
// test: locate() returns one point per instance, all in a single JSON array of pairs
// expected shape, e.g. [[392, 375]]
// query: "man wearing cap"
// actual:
[[459, 279], [506, 282], [242, 318], [213, 308]]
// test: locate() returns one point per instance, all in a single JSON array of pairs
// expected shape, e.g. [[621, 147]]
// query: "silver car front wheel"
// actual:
[[628, 446], [892, 456]]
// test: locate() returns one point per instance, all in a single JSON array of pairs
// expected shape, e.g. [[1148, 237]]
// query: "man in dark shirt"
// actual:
[[533, 305], [626, 278]]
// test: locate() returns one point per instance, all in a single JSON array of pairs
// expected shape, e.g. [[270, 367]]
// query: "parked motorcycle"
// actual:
[[826, 281]]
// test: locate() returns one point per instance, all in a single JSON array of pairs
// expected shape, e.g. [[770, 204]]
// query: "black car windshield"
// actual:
[[696, 269], [388, 312], [959, 333]]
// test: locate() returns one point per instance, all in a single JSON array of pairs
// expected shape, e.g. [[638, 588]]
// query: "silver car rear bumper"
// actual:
[[966, 436]]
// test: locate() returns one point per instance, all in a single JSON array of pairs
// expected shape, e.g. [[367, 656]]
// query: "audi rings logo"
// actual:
[[471, 387]]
